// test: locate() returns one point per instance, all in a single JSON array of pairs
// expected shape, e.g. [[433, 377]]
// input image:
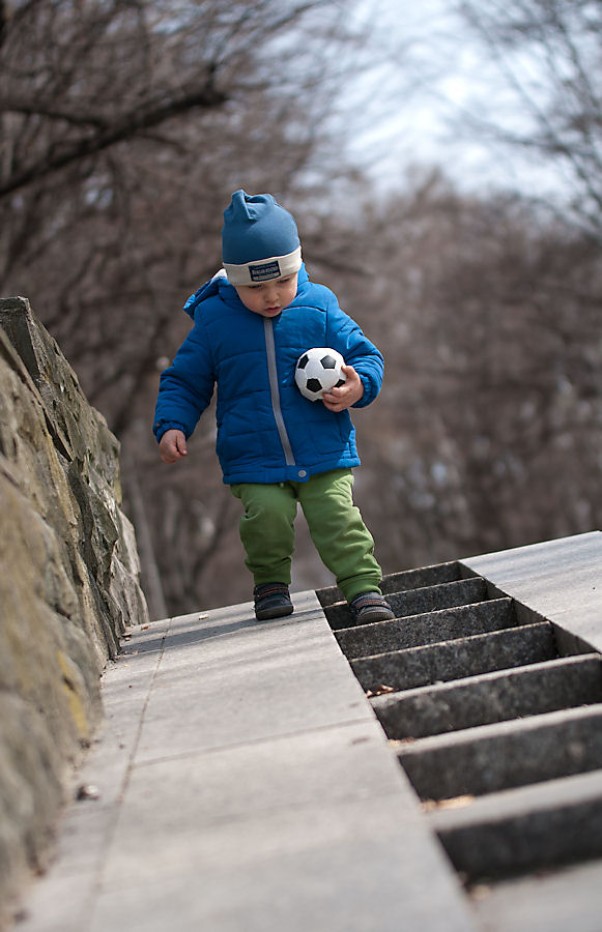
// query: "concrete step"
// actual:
[[495, 714], [565, 898], [433, 598], [397, 582], [429, 628], [490, 758], [422, 577], [417, 601], [491, 697], [449, 660], [521, 830]]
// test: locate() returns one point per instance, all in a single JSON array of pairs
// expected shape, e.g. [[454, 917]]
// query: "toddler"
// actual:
[[252, 322]]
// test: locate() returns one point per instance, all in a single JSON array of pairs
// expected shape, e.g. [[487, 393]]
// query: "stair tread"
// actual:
[[417, 601], [367, 630], [518, 802], [448, 624], [471, 682], [472, 640], [405, 580], [554, 901], [452, 660], [524, 829], [492, 758], [495, 730]]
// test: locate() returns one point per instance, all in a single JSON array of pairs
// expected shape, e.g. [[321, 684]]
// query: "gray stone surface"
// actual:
[[521, 830], [432, 598], [244, 785], [559, 579], [417, 630], [496, 757], [492, 697], [555, 901], [420, 666], [417, 601], [417, 578]]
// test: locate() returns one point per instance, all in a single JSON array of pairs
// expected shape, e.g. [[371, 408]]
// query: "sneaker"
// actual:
[[368, 607], [272, 600]]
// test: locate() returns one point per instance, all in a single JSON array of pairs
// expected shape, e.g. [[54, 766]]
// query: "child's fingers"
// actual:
[[344, 396], [168, 452], [173, 446], [335, 400]]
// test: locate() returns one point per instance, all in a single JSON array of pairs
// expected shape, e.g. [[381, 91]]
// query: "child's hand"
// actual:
[[338, 399], [172, 446]]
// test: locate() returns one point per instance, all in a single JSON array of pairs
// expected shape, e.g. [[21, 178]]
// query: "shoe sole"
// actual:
[[278, 611], [369, 616]]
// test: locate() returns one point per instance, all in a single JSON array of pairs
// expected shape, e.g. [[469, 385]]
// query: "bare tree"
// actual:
[[487, 432], [124, 127], [546, 55]]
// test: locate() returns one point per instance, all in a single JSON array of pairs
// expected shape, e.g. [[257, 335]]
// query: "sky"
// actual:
[[426, 74]]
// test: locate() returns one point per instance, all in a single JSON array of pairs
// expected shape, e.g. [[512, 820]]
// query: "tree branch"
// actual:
[[128, 126], [38, 108]]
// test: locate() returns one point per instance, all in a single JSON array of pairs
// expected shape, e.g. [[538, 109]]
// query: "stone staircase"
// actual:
[[496, 720]]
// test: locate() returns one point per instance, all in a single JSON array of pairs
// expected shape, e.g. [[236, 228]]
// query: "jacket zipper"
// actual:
[[275, 391]]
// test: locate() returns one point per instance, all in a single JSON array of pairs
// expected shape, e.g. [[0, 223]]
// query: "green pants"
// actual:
[[342, 540]]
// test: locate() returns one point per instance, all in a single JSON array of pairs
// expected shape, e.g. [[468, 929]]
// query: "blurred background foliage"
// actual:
[[126, 124]]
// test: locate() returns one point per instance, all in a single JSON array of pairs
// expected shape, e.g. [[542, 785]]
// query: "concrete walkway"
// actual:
[[243, 784]]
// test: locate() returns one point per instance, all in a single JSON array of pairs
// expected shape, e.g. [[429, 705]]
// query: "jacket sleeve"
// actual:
[[186, 387], [357, 350]]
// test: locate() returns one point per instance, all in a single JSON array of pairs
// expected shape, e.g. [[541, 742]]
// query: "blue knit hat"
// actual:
[[259, 240]]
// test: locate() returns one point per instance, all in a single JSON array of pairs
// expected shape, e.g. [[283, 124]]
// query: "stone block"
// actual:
[[430, 628], [397, 582], [496, 757], [417, 601], [69, 582], [550, 901], [421, 666], [492, 697], [531, 828]]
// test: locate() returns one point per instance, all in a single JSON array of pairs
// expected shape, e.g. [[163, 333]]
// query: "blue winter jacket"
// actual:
[[266, 430]]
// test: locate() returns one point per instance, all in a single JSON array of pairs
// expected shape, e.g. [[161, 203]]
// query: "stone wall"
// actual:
[[69, 583]]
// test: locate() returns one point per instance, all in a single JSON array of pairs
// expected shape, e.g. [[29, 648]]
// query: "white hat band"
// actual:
[[264, 270]]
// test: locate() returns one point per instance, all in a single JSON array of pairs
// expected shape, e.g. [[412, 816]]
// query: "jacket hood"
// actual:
[[207, 290]]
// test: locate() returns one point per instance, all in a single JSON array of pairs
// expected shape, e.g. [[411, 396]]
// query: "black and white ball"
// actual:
[[318, 370]]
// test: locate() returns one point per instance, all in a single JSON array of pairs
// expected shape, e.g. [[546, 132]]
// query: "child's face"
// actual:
[[268, 298]]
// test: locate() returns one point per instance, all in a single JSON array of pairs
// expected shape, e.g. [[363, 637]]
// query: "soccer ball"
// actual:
[[318, 370]]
